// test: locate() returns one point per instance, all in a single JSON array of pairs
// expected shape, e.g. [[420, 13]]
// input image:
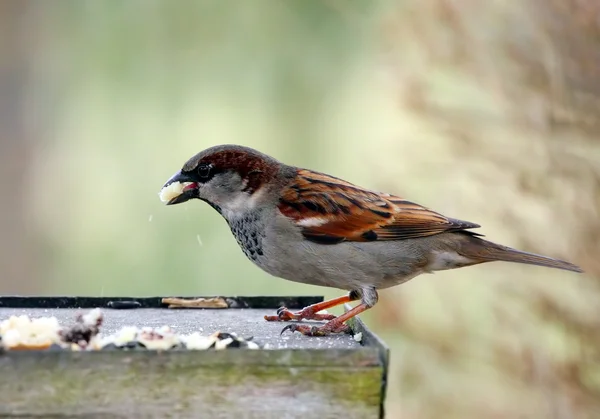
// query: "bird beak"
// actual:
[[178, 189]]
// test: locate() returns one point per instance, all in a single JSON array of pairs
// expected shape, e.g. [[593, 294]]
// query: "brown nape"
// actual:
[[485, 251]]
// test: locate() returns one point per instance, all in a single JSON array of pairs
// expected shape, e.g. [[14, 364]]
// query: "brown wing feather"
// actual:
[[331, 210]]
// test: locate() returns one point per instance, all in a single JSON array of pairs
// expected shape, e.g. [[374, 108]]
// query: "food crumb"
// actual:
[[45, 333], [174, 302]]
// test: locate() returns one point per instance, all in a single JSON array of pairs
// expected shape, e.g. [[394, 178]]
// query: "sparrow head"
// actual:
[[228, 177]]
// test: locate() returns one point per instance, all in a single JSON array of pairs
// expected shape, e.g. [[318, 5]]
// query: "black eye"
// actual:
[[204, 170]]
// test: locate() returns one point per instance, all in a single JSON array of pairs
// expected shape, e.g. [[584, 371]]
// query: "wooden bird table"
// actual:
[[296, 377]]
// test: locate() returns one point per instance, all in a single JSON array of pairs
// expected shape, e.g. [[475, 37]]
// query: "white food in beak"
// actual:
[[172, 191]]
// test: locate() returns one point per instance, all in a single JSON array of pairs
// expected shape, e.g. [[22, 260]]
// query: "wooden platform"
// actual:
[[298, 377]]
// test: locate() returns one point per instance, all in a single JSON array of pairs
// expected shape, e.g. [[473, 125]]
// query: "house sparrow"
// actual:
[[309, 227]]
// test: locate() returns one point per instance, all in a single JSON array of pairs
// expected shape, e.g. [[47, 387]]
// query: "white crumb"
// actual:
[[358, 337], [92, 318], [124, 335], [198, 342], [24, 331], [162, 338], [222, 344]]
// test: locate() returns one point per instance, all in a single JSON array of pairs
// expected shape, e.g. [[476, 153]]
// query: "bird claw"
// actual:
[[283, 315], [316, 331], [305, 330]]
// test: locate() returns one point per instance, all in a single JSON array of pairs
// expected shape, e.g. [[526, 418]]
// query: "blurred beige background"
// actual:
[[484, 111]]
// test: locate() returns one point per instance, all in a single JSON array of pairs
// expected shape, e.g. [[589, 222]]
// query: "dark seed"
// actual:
[[123, 305], [235, 344]]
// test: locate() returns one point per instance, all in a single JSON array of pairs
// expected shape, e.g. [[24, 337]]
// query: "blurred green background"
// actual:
[[484, 111]]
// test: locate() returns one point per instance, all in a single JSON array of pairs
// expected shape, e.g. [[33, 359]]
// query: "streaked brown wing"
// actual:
[[331, 210]]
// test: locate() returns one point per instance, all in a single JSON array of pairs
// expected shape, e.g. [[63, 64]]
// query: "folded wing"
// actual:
[[331, 210]]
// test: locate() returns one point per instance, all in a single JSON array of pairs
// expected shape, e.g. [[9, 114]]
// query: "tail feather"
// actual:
[[490, 252]]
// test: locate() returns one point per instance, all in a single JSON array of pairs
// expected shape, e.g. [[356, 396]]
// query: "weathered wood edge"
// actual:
[[352, 375], [57, 302], [63, 389], [370, 339], [366, 357]]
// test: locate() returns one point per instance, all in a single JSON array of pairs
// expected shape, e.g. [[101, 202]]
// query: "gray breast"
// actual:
[[249, 235]]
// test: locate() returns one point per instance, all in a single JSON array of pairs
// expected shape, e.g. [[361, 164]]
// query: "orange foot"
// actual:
[[331, 327], [311, 312]]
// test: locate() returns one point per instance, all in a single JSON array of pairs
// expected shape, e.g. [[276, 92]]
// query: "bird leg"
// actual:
[[369, 298], [312, 312]]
